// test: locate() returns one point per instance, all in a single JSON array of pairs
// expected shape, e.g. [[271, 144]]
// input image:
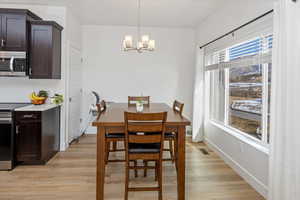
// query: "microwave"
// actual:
[[13, 63]]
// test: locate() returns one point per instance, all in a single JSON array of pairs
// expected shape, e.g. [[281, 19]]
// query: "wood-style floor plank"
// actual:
[[71, 175]]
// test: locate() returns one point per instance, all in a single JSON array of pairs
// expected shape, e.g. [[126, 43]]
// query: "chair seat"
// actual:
[[144, 148], [170, 135], [115, 135]]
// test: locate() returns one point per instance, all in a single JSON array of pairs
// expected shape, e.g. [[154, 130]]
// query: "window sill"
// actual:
[[246, 139]]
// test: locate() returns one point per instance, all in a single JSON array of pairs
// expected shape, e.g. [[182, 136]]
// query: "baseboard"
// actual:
[[246, 175]]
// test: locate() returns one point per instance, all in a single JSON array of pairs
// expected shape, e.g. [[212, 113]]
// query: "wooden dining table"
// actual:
[[112, 121]]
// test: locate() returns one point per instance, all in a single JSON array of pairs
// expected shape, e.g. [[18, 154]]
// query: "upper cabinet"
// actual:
[[14, 29], [45, 50], [23, 31]]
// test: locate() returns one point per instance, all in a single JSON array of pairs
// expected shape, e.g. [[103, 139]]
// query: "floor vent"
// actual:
[[204, 151]]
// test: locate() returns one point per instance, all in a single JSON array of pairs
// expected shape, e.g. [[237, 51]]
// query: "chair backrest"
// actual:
[[178, 107], [133, 99], [101, 107], [137, 125]]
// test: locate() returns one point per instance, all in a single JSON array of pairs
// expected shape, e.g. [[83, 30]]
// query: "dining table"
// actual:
[[112, 121]]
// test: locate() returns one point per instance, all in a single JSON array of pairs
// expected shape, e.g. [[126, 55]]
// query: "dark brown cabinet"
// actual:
[[37, 135], [22, 30], [14, 29], [28, 138], [45, 50]]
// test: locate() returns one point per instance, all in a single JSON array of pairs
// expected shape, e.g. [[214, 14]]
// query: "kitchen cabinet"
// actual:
[[45, 50], [14, 29], [37, 135]]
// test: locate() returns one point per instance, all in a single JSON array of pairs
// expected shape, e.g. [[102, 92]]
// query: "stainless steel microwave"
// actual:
[[13, 63]]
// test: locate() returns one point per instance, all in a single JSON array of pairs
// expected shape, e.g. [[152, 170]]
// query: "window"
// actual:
[[240, 86]]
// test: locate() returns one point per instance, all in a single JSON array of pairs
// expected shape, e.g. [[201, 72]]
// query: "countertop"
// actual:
[[40, 108]]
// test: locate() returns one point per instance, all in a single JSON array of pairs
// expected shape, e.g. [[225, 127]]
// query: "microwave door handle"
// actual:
[[11, 64]]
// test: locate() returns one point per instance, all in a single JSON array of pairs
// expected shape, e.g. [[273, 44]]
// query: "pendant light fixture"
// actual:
[[143, 43]]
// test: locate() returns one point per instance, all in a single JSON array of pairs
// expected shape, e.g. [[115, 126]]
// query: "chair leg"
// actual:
[[156, 170], [135, 170], [145, 170], [115, 146], [126, 180], [176, 153], [171, 150], [107, 149], [160, 180]]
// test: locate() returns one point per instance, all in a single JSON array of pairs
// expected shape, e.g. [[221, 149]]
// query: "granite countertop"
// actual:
[[40, 108]]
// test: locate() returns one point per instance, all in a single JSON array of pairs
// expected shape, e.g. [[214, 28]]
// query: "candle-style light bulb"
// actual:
[[145, 40], [128, 41], [151, 45]]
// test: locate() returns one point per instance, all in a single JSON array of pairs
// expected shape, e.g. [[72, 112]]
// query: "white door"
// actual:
[[75, 94]]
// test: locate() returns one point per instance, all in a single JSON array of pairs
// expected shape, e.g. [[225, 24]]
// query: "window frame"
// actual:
[[265, 108]]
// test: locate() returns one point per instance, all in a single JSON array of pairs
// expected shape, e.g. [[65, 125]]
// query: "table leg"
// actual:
[[100, 163], [181, 163]]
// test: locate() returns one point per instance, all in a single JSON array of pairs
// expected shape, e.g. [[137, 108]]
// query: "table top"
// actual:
[[114, 114]]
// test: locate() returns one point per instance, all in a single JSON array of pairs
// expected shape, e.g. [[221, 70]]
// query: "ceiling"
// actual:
[[161, 13]]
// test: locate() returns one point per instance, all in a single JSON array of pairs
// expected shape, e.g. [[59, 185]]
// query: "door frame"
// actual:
[[70, 46]]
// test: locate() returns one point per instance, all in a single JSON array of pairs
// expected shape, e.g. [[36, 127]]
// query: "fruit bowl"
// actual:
[[38, 101]]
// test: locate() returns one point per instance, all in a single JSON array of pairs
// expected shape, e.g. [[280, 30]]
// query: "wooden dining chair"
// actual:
[[144, 140], [111, 137], [133, 99], [171, 136]]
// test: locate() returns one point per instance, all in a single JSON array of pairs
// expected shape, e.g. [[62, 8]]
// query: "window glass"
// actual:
[[245, 99]]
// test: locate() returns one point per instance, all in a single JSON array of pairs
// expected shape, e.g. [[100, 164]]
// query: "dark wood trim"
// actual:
[[20, 11], [49, 23]]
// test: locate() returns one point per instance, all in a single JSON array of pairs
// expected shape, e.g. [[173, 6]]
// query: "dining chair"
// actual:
[[111, 137], [133, 99], [171, 136], [144, 140]]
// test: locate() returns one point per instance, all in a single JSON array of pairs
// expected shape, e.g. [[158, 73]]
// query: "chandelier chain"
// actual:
[[139, 18]]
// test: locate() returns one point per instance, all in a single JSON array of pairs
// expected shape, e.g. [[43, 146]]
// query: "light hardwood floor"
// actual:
[[71, 176]]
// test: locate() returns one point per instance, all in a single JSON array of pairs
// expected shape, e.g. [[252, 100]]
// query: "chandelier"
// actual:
[[144, 43]]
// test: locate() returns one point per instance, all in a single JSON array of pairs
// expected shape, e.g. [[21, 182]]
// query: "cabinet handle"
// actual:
[[17, 130], [28, 116], [2, 42], [11, 64]]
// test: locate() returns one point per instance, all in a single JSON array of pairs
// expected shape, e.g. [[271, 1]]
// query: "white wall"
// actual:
[[165, 74], [18, 89], [250, 162]]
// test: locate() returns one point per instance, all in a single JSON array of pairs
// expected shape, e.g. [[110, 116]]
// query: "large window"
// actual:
[[240, 80]]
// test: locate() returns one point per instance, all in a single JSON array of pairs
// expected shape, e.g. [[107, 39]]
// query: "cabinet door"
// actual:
[[14, 32], [28, 137], [41, 52]]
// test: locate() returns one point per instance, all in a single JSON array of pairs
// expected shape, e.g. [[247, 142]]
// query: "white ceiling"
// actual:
[[162, 13]]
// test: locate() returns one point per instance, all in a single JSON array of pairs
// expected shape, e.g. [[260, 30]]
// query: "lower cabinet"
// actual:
[[37, 135]]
